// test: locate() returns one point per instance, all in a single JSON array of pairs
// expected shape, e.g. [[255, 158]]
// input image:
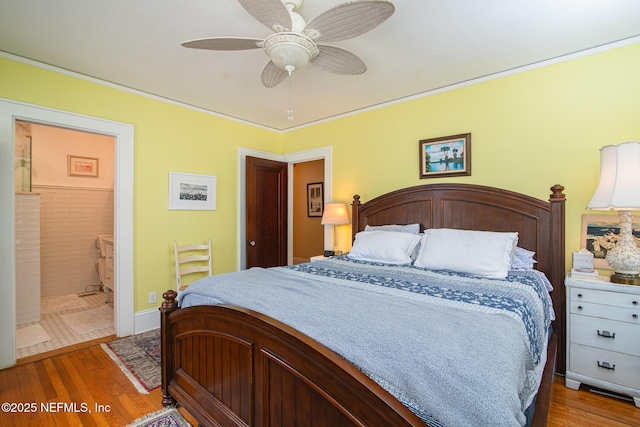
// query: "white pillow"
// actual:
[[409, 228], [483, 253], [387, 247]]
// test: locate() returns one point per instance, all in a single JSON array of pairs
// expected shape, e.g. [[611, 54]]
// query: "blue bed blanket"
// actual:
[[458, 350]]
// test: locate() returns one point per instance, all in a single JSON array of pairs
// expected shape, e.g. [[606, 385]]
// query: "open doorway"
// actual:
[[64, 225], [323, 153], [10, 111], [308, 232]]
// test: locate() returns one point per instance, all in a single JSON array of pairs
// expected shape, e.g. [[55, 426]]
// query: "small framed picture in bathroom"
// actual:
[[82, 166]]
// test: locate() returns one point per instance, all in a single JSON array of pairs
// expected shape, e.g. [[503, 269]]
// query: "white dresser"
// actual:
[[109, 284], [105, 244], [603, 336]]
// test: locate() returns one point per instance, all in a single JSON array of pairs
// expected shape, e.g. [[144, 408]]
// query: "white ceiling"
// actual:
[[425, 45]]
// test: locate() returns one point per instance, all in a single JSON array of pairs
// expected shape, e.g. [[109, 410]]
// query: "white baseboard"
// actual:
[[146, 320]]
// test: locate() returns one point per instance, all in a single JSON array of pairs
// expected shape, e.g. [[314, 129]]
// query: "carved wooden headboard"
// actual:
[[540, 224]]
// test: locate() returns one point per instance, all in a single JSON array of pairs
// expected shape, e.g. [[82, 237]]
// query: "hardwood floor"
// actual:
[[85, 375], [582, 408]]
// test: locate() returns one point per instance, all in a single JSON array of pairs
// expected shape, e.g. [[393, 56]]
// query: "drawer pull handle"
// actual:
[[606, 365], [635, 316], [634, 302], [606, 334], [579, 295], [579, 307]]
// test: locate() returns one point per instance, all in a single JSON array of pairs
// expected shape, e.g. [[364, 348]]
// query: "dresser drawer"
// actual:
[[631, 315], [108, 283], [617, 299], [625, 370], [606, 334], [109, 257]]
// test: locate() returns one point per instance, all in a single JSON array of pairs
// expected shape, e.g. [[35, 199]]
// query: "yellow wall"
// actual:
[[529, 131], [167, 138]]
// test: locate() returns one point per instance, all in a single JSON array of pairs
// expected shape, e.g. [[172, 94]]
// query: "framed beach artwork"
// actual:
[[445, 156], [188, 191], [600, 234]]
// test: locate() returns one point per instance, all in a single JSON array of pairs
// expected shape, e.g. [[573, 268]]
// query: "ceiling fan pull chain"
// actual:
[[290, 109]]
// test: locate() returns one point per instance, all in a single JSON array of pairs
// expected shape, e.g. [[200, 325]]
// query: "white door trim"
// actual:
[[10, 111]]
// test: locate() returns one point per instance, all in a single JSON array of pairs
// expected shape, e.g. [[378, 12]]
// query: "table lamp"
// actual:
[[619, 189], [335, 214]]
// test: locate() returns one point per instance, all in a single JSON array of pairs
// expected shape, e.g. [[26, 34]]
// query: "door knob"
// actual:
[[252, 242]]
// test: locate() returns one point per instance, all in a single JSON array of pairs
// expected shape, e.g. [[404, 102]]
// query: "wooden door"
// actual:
[[266, 207]]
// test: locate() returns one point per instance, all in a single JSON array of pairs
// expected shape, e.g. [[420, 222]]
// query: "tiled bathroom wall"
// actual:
[[71, 219], [27, 226]]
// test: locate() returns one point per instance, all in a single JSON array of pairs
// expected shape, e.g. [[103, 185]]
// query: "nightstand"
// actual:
[[603, 336], [318, 258]]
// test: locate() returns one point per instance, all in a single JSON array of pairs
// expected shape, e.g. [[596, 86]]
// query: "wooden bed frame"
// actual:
[[229, 366]]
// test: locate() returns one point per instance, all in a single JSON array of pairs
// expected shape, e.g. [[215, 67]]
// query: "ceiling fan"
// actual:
[[294, 42]]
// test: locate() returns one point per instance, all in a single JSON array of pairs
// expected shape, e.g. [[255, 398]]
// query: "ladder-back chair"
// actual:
[[190, 259]]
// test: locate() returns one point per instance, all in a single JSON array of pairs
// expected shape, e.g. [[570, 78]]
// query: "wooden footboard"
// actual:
[[229, 366]]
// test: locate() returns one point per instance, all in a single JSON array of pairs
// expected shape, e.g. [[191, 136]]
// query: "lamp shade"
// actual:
[[335, 214], [619, 184]]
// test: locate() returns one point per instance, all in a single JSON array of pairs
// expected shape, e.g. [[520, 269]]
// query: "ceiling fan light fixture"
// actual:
[[288, 50], [293, 45]]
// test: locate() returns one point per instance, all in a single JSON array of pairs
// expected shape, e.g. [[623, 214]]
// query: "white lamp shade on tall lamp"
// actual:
[[619, 184], [619, 189], [335, 214]]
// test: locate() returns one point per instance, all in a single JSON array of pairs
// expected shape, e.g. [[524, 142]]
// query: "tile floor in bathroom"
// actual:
[[61, 334]]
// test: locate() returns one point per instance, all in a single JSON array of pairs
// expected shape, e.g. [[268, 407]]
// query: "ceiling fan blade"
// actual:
[[339, 61], [223, 43], [272, 75], [268, 12], [351, 19]]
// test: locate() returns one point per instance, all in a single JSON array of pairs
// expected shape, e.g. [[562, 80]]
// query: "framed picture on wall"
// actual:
[[315, 199], [188, 191], [445, 156], [600, 234], [82, 166]]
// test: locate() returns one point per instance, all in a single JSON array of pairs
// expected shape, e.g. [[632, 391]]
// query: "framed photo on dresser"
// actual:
[[600, 234]]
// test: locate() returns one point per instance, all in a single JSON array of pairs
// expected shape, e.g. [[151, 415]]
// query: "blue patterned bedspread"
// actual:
[[456, 349]]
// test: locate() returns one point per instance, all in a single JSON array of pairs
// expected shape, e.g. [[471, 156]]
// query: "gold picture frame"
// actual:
[[445, 156], [82, 166]]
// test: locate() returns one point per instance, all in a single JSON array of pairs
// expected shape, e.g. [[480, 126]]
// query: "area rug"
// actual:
[[138, 356], [163, 418], [60, 302], [85, 321], [31, 335]]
